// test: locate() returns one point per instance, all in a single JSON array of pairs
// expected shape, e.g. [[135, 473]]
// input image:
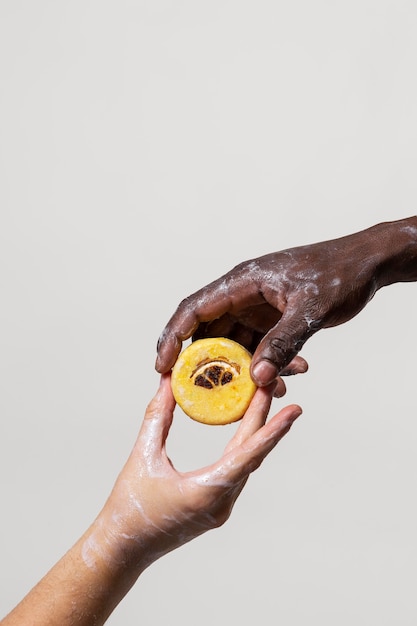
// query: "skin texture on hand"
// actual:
[[152, 510], [273, 304]]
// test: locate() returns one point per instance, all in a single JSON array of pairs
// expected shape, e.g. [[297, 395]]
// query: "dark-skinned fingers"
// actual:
[[220, 327], [208, 303], [279, 347], [227, 326], [297, 366], [243, 335], [234, 291], [180, 327], [168, 348], [259, 317], [280, 389]]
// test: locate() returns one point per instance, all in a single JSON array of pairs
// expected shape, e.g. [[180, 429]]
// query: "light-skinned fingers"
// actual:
[[158, 416], [254, 417], [248, 456], [273, 431]]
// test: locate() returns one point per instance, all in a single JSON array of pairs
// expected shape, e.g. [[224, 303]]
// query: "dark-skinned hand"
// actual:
[[273, 304]]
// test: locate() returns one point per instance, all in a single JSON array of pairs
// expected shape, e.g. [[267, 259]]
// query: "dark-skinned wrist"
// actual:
[[396, 245]]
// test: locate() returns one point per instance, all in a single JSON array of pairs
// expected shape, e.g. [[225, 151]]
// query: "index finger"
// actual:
[[237, 464], [223, 295], [179, 328]]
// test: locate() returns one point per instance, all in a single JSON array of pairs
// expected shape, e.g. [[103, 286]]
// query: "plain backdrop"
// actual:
[[145, 149]]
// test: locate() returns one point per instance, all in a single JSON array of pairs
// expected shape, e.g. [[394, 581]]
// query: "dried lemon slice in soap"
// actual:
[[211, 381]]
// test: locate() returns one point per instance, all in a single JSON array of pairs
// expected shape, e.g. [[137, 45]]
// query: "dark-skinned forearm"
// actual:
[[398, 240]]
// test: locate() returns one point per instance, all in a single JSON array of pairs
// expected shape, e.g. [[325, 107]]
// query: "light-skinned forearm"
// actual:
[[86, 584], [152, 510]]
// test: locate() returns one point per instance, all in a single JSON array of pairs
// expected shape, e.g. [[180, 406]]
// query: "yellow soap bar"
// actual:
[[211, 381]]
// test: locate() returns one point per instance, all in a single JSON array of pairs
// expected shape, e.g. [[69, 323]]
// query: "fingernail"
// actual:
[[264, 373]]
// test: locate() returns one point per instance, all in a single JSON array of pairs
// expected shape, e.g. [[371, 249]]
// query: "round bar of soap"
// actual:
[[211, 381]]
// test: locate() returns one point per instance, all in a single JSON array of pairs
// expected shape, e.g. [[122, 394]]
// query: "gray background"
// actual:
[[146, 148]]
